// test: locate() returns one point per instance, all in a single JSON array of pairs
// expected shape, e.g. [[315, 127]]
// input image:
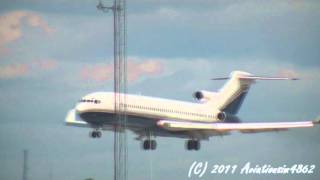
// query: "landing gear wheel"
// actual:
[[188, 144], [192, 145], [153, 144], [149, 145], [146, 145], [98, 133], [196, 145], [95, 134]]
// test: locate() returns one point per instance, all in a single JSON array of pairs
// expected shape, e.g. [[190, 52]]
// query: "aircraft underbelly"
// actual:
[[103, 118]]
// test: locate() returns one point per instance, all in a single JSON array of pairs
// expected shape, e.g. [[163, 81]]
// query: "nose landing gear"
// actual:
[[95, 134]]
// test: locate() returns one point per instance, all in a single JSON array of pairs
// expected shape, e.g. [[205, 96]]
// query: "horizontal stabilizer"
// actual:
[[258, 78], [268, 78]]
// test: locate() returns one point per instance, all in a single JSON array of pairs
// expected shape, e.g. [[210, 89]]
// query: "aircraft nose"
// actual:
[[86, 103], [80, 107]]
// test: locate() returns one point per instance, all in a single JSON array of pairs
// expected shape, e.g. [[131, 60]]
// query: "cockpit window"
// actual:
[[95, 101]]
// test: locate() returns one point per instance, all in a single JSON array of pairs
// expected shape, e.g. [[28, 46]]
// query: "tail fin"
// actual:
[[233, 93]]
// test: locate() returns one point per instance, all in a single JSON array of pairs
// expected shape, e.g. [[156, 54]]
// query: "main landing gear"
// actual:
[[149, 144], [95, 134], [193, 145]]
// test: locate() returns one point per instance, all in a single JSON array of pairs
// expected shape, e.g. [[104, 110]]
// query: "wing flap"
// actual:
[[242, 127]]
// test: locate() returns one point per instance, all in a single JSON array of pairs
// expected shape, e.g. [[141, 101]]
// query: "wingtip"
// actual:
[[317, 120]]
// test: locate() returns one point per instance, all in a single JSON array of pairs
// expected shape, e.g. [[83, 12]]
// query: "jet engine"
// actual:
[[204, 96], [221, 116]]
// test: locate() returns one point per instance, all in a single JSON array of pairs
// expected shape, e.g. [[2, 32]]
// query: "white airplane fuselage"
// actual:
[[144, 107], [211, 107]]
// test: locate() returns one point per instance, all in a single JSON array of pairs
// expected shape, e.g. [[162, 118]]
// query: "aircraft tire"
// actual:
[[153, 144], [146, 144], [93, 134], [193, 145], [196, 145], [99, 134], [189, 145]]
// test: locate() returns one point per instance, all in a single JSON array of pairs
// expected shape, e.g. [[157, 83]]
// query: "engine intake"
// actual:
[[198, 95], [221, 116], [204, 95]]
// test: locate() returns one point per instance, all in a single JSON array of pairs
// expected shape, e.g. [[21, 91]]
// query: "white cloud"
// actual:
[[11, 25], [136, 70], [16, 70], [13, 71]]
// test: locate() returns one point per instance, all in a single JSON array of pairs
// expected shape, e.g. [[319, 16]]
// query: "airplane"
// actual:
[[214, 114]]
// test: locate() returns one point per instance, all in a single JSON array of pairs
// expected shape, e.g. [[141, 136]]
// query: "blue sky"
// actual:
[[54, 52]]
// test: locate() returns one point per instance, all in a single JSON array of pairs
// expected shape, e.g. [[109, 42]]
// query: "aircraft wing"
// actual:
[[174, 125], [73, 120]]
